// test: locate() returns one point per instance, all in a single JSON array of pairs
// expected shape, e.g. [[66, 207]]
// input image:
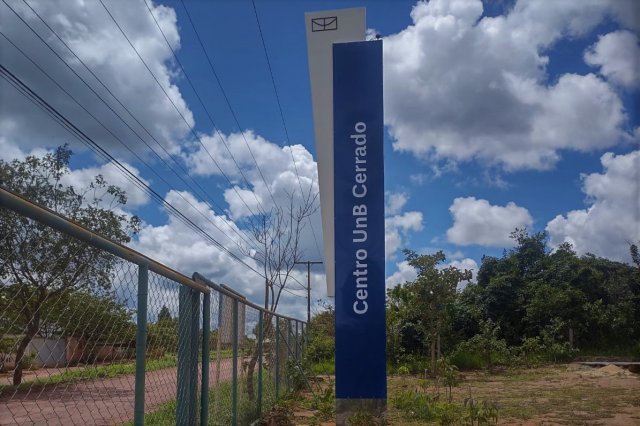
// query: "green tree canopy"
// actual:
[[427, 300], [41, 265]]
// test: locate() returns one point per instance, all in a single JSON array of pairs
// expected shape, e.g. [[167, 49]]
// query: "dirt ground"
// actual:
[[93, 402], [569, 394]]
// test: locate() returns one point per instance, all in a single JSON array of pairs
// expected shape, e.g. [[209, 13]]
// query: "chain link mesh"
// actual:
[[67, 335], [68, 329]]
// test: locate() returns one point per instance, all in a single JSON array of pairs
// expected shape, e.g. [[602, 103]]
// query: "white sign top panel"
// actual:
[[323, 29]]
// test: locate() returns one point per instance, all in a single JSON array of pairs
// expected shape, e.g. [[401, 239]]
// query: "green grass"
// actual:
[[94, 372], [224, 353], [106, 371], [247, 409], [324, 367]]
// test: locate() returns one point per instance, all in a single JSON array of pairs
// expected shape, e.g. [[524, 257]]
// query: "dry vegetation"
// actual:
[[562, 394]]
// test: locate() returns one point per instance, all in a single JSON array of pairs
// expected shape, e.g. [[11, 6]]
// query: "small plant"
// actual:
[[447, 413], [480, 413], [415, 405], [29, 361], [403, 370], [280, 415], [530, 352], [449, 375], [324, 403], [297, 376]]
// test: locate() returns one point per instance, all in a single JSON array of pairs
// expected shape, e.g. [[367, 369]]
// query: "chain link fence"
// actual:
[[92, 332]]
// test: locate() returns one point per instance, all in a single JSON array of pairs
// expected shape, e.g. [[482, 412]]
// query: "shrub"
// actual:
[[530, 352], [415, 363], [555, 348], [480, 413], [447, 413], [403, 370], [297, 376], [321, 348], [324, 367], [466, 360], [422, 407], [635, 351], [486, 345], [449, 375], [415, 405], [324, 403], [279, 415]]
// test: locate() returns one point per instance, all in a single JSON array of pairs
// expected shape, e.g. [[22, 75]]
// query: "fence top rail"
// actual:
[[199, 278], [48, 217]]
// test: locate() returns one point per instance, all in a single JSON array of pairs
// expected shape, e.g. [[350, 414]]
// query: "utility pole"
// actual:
[[309, 263]]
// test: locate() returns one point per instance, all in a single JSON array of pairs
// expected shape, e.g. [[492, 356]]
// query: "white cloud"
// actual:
[[476, 221], [618, 56], [80, 178], [612, 220], [418, 179], [179, 247], [398, 226], [270, 177], [284, 169], [404, 273], [398, 229], [395, 202], [88, 30], [10, 151], [463, 87], [465, 264]]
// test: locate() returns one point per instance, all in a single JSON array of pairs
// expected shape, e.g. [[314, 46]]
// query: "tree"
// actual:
[[41, 265], [321, 337], [277, 234], [635, 254], [429, 297], [97, 318], [164, 314]]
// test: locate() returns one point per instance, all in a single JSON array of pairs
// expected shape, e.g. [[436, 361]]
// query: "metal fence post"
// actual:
[[260, 342], [141, 342], [234, 391], [288, 351], [297, 342], [206, 335], [188, 315], [301, 339], [277, 356]]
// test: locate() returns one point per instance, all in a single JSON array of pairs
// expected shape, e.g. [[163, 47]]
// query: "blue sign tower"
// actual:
[[359, 226]]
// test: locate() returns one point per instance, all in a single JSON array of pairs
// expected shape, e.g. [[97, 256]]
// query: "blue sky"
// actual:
[[499, 114]]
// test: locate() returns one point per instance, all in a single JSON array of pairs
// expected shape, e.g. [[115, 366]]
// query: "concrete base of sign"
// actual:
[[345, 408]]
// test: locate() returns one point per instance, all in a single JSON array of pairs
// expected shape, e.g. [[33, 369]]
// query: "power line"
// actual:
[[118, 115], [284, 124], [184, 71], [192, 131], [226, 98], [83, 137], [308, 263], [76, 132]]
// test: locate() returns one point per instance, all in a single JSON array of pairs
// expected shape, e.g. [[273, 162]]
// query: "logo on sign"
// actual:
[[328, 23]]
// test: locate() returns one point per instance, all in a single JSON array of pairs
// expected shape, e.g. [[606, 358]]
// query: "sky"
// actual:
[[499, 114]]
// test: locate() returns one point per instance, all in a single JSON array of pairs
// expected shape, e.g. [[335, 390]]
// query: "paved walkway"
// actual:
[[94, 402]]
